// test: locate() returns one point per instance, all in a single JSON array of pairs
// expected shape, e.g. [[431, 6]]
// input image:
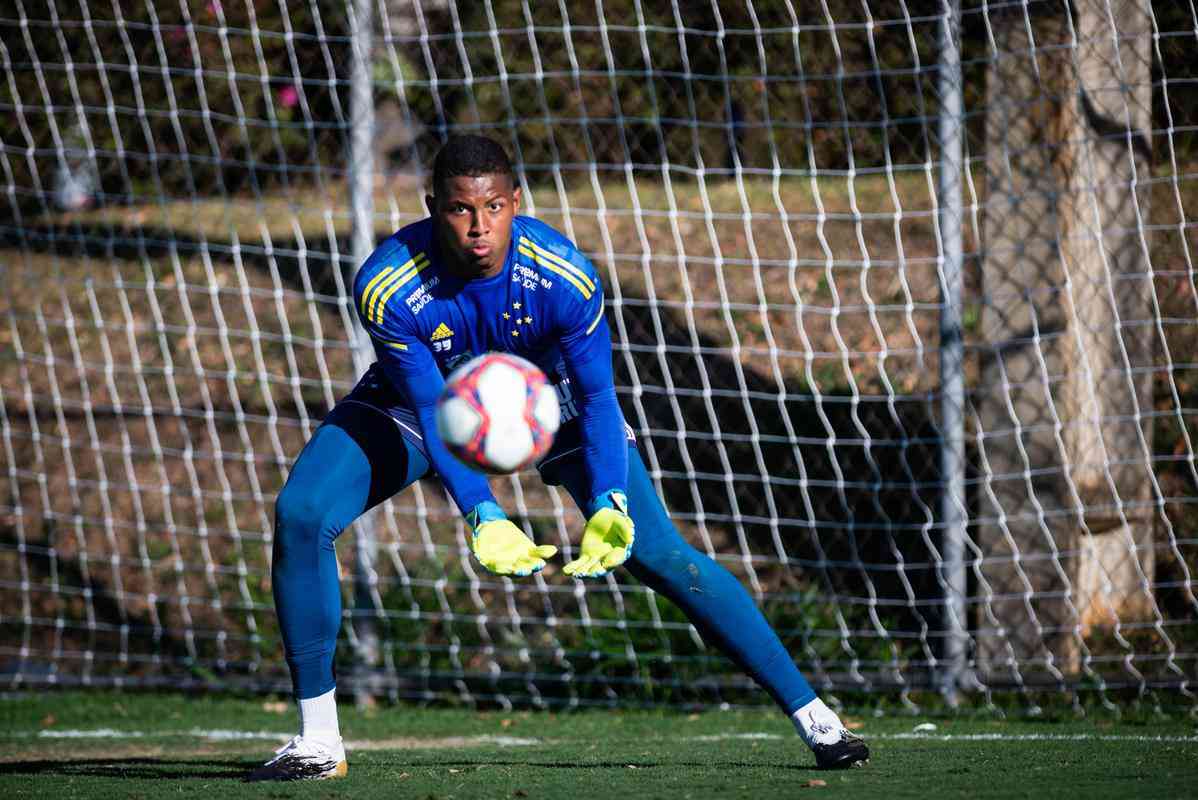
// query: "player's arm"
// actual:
[[586, 350], [497, 543], [408, 363], [411, 368]]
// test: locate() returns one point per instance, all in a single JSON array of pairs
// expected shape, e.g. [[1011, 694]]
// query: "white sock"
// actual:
[[817, 724], [318, 720]]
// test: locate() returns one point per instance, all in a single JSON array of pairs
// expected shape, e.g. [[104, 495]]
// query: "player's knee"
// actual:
[[695, 570], [302, 520], [667, 559]]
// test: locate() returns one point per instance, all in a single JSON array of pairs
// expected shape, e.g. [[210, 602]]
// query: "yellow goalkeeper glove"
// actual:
[[500, 546], [607, 540]]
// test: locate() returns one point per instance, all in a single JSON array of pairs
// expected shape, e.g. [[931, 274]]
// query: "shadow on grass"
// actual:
[[174, 769], [620, 765], [147, 768], [297, 262]]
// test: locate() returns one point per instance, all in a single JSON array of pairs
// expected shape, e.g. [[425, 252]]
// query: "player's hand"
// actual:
[[501, 547], [607, 540]]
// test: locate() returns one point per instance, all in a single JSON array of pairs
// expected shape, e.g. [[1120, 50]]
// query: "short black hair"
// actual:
[[470, 156]]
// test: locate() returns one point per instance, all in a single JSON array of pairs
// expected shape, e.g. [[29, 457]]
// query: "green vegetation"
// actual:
[[446, 753]]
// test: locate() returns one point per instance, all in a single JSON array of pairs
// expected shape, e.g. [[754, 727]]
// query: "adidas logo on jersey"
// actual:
[[443, 331]]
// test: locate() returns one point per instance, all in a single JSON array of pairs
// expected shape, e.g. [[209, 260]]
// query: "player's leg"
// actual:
[[722, 611], [355, 460]]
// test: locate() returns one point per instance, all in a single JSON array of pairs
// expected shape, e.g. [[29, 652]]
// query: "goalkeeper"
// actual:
[[476, 277]]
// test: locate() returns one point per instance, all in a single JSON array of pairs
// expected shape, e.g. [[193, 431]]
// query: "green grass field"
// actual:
[[106, 745]]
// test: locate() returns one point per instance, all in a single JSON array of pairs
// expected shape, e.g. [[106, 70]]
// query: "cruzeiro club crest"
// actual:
[[515, 319]]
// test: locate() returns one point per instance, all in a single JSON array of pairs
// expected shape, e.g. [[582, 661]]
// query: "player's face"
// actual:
[[474, 221]]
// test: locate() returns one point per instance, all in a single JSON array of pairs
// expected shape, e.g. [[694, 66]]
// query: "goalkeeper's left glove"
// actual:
[[607, 540], [500, 546]]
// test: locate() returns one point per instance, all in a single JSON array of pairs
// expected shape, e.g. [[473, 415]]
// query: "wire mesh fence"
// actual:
[[761, 186]]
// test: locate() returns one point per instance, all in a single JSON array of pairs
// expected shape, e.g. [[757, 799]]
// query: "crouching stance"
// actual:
[[472, 278]]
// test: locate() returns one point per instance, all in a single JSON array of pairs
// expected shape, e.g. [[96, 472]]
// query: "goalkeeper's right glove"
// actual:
[[500, 546]]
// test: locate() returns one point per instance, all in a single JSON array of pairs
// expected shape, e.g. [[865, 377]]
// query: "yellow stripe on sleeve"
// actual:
[[370, 288], [595, 324], [372, 304], [561, 262], [418, 265], [394, 345], [549, 265]]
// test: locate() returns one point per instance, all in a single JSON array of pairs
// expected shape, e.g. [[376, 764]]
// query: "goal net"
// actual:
[[904, 306]]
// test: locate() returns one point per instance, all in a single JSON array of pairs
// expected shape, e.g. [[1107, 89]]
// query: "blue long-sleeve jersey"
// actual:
[[546, 305]]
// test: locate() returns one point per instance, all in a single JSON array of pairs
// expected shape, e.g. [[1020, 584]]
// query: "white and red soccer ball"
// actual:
[[498, 413]]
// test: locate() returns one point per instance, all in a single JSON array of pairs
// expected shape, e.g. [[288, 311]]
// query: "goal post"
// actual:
[[903, 304]]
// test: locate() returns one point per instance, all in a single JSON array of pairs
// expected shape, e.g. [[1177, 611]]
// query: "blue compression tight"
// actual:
[[714, 601], [358, 458]]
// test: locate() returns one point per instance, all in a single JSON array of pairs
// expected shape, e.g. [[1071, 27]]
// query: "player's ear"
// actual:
[[516, 200]]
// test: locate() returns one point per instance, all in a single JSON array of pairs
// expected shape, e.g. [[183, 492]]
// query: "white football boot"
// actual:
[[834, 746], [303, 760]]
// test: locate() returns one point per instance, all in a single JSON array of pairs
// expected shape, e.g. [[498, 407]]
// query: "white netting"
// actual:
[[771, 193]]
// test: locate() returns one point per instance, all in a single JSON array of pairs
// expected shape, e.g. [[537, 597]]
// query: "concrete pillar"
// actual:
[[1065, 523]]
